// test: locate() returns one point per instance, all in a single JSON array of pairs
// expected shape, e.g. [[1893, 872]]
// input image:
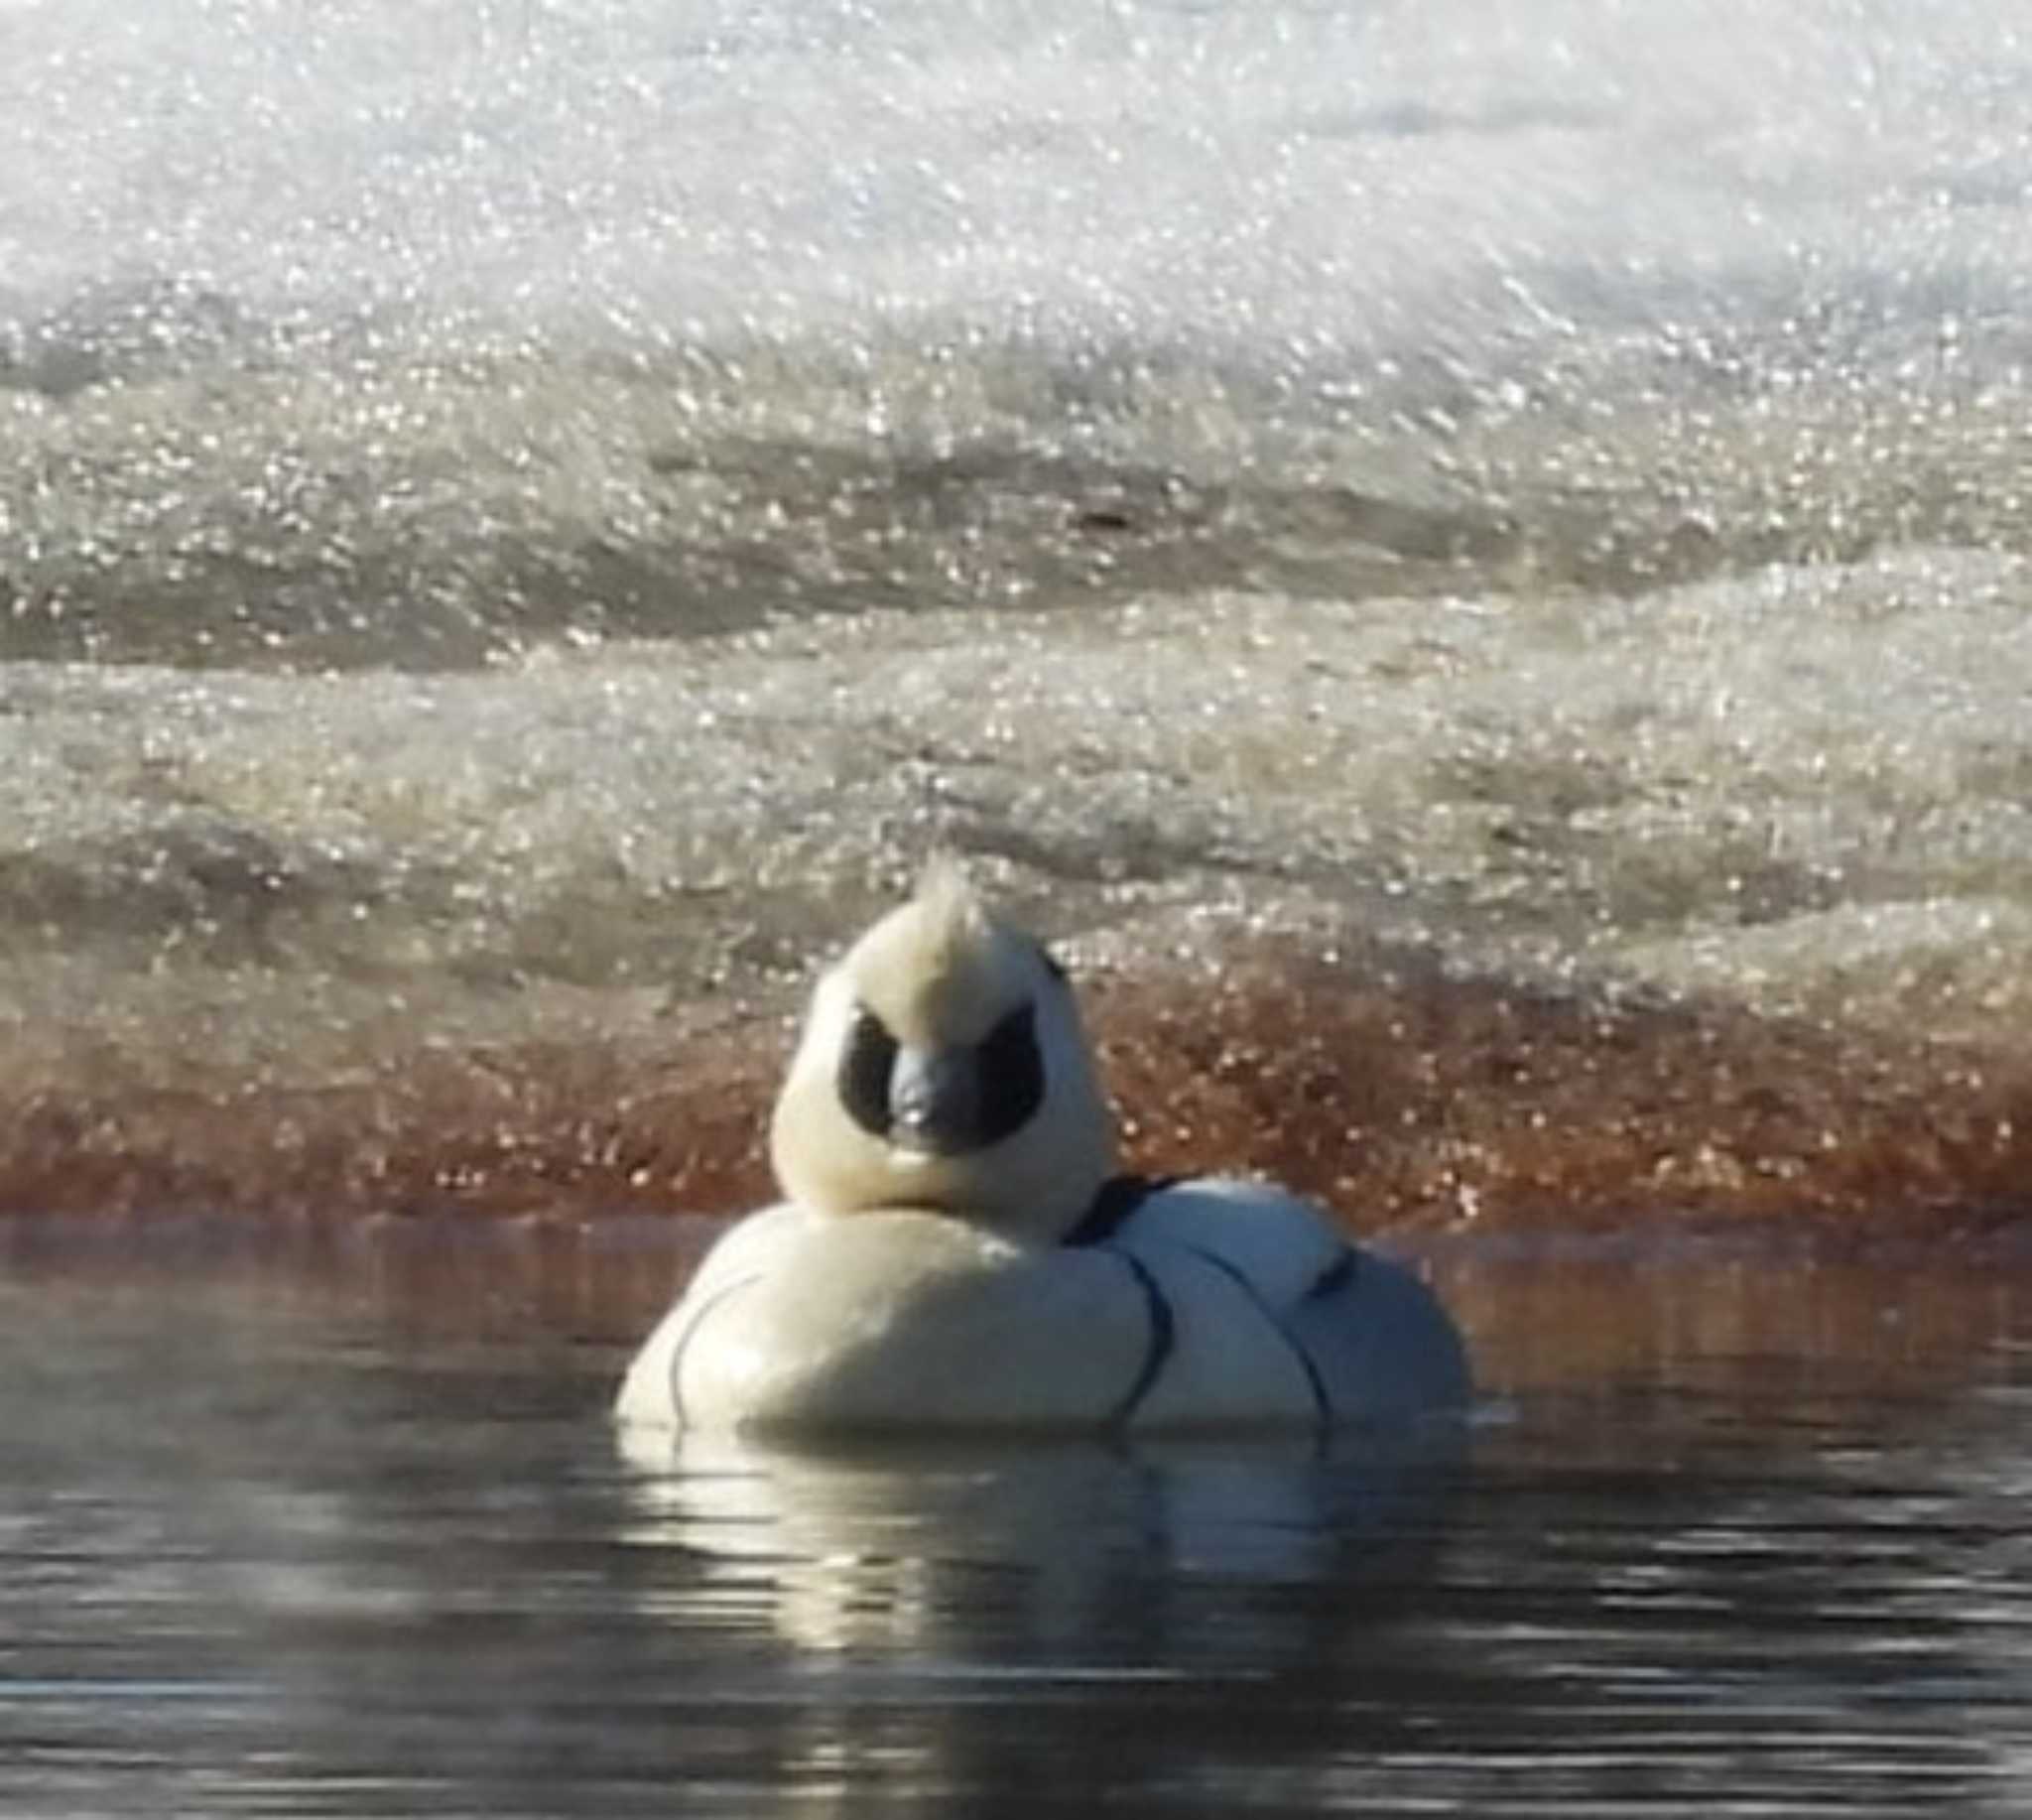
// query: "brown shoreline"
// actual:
[[1400, 1093]]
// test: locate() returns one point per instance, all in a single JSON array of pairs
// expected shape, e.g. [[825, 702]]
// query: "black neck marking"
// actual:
[[1119, 1197]]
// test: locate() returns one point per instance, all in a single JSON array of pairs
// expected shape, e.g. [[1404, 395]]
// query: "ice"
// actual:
[[523, 524], [1604, 778]]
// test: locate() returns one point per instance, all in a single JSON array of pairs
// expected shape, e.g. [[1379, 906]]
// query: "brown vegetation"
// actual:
[[1388, 1089], [1399, 1094]]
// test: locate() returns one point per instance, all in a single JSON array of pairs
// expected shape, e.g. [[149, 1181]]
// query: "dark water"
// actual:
[[370, 1547]]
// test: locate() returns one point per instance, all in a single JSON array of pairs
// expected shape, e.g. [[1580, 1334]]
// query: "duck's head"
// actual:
[[943, 1066]]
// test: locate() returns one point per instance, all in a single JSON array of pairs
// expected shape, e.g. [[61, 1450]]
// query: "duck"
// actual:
[[958, 1251]]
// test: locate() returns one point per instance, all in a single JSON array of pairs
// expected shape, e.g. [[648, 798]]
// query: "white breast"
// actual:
[[1215, 1305]]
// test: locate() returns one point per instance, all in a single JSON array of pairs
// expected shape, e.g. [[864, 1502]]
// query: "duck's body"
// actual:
[[956, 1253], [1211, 1305]]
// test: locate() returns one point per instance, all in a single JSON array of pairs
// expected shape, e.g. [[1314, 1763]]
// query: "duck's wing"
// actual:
[[1283, 1248], [747, 1247], [1382, 1345], [1372, 1341], [744, 1253]]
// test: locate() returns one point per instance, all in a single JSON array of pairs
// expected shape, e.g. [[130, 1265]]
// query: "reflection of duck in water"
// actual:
[[956, 1254], [879, 1544]]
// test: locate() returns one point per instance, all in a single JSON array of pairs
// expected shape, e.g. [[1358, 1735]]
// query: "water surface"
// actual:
[[367, 1545]]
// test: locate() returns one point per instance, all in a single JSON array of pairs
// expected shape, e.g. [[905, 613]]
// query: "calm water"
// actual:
[[369, 1547]]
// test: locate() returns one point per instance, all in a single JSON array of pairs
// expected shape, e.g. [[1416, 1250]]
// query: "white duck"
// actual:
[[956, 1253]]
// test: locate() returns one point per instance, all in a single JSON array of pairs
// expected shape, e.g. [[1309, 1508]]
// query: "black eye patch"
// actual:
[[1011, 1076], [1008, 1082], [865, 1067]]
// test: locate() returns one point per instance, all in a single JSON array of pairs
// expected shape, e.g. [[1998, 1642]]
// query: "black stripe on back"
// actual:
[[1335, 1277], [1162, 1335], [691, 1333], [1322, 1404]]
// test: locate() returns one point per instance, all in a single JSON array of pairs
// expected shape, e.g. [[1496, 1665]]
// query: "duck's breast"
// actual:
[[1211, 1305], [894, 1320]]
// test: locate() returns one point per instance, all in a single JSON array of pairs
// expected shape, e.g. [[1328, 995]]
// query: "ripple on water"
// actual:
[[320, 1545]]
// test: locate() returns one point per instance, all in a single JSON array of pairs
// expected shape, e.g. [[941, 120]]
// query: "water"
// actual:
[[1465, 560], [369, 1547]]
